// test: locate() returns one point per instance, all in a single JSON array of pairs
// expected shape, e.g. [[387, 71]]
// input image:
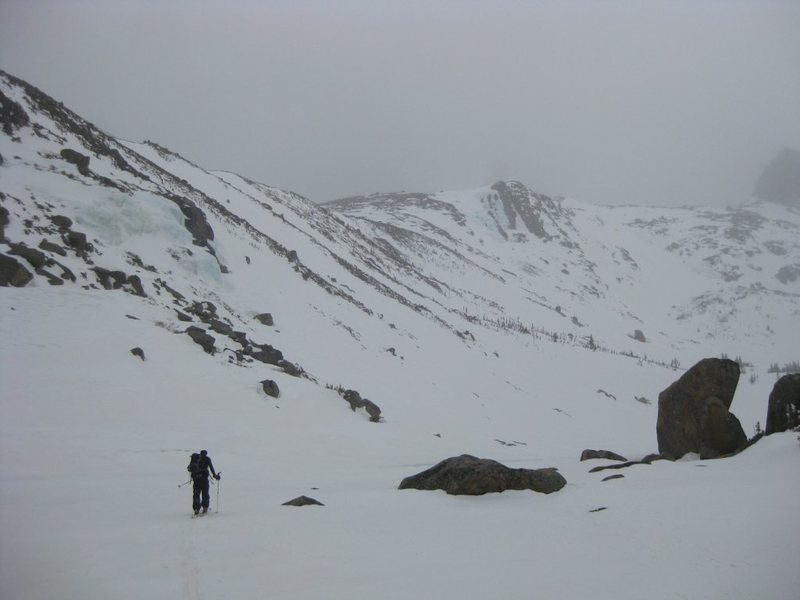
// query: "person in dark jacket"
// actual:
[[199, 467]]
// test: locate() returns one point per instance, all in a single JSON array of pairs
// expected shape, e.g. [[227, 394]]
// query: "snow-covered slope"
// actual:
[[496, 322], [689, 279]]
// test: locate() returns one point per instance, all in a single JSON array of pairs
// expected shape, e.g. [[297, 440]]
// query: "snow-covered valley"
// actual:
[[495, 322]]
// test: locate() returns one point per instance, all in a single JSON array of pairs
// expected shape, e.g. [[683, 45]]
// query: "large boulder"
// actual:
[[473, 476], [693, 412], [783, 410], [270, 388]]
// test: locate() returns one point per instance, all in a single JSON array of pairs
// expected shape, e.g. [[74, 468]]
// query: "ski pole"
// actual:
[[219, 481], [180, 485]]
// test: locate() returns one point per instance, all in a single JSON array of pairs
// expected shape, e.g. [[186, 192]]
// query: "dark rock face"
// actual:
[[76, 158], [270, 388], [35, 258], [49, 246], [110, 280], [604, 454], [693, 412], [78, 241], [13, 273], [783, 410], [199, 336], [4, 221], [138, 352], [114, 280], [62, 222], [195, 222], [290, 368], [303, 501], [468, 475], [638, 335], [266, 354], [12, 115]]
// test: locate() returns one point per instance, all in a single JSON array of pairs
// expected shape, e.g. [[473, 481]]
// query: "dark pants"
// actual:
[[200, 487]]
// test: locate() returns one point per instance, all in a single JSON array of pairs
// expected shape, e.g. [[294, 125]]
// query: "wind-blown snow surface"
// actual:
[[94, 442]]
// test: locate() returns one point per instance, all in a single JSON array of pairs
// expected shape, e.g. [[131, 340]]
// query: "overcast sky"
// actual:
[[638, 102]]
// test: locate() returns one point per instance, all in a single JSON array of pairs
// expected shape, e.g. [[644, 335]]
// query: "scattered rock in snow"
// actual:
[[265, 319], [468, 475], [78, 242], [603, 454], [264, 353], [303, 501], [13, 273], [63, 223], [220, 327], [638, 335], [270, 388], [291, 368], [138, 352], [81, 161], [355, 401], [650, 458], [693, 412], [110, 280], [783, 410], [616, 476], [49, 246], [606, 394], [599, 508], [199, 336]]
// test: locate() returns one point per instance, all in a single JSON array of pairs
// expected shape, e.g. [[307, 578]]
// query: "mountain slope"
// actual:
[[496, 322]]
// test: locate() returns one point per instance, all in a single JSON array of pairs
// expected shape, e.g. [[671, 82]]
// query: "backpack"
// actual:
[[194, 465]]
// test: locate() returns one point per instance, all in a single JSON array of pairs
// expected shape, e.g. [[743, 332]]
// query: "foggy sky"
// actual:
[[665, 103]]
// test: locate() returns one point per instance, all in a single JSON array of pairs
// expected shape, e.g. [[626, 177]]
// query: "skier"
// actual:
[[199, 466]]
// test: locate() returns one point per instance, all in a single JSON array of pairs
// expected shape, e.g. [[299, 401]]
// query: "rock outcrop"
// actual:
[[468, 475], [783, 410], [693, 412]]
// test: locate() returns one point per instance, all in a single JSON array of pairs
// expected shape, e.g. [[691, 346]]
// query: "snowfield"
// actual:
[[95, 443], [471, 334]]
